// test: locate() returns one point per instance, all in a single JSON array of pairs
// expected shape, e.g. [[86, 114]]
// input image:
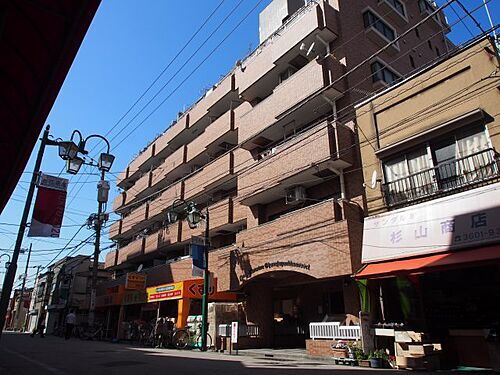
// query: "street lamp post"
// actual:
[[188, 210], [69, 151]]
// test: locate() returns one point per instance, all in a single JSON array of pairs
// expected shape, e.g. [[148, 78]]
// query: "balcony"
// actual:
[[219, 136], [134, 220], [278, 107], [115, 229], [168, 140], [130, 251], [304, 160], [161, 239], [221, 219], [140, 164], [165, 200], [170, 169], [460, 174], [213, 175], [119, 201], [313, 240], [216, 100], [314, 19], [110, 259]]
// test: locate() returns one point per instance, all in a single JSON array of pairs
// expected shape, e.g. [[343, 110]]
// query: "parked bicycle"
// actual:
[[185, 338]]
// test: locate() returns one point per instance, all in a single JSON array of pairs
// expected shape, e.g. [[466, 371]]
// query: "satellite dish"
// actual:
[[139, 269], [374, 180], [310, 50]]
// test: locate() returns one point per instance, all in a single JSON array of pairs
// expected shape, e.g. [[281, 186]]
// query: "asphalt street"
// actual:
[[22, 355]]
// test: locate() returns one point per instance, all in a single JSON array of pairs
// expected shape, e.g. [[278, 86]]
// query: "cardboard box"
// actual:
[[409, 336], [427, 362], [420, 349]]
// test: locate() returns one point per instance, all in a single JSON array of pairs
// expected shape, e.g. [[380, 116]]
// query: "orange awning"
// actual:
[[432, 262]]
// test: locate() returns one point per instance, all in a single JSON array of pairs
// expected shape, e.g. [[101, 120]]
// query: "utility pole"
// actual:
[[102, 198], [11, 271], [35, 288], [21, 299], [206, 278]]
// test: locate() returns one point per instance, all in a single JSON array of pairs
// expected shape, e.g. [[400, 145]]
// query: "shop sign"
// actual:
[[461, 220], [135, 281], [234, 332], [194, 288], [269, 266], [165, 292], [134, 297], [49, 207]]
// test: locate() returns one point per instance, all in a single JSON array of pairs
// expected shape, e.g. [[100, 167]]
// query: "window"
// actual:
[[426, 7], [398, 6], [449, 162], [287, 74], [417, 33], [381, 72], [373, 21], [412, 62], [438, 53], [429, 44]]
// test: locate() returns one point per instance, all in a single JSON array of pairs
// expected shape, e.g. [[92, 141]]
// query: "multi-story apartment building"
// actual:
[[70, 288], [39, 300], [271, 151], [431, 240]]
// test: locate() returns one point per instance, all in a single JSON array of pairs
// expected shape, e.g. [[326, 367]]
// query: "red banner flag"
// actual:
[[49, 207]]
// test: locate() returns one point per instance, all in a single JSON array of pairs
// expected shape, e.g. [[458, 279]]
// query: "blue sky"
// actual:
[[128, 44]]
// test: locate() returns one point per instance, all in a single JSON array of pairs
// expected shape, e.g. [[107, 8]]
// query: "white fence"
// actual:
[[334, 331]]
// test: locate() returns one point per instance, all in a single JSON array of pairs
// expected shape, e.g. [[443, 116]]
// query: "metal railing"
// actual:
[[459, 173], [248, 330], [334, 331]]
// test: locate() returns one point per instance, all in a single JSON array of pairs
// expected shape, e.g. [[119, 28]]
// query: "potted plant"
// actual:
[[360, 357], [378, 358], [339, 350]]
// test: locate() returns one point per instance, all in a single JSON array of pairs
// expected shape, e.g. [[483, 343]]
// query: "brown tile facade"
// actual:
[[292, 134]]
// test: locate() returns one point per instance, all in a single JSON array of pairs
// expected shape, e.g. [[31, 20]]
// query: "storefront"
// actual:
[[179, 300], [434, 268]]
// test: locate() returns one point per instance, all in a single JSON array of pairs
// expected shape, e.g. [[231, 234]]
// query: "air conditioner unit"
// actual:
[[267, 153], [295, 195]]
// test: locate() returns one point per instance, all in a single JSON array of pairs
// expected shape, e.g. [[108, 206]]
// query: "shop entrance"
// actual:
[[284, 306]]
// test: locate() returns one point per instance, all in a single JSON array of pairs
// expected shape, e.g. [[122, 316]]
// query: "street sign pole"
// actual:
[[206, 277]]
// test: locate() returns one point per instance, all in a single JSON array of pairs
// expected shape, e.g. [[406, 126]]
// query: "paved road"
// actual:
[[22, 355]]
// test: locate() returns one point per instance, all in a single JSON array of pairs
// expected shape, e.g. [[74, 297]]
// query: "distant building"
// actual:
[[70, 289]]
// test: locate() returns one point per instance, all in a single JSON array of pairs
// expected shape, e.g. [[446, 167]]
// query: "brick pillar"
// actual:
[[259, 310]]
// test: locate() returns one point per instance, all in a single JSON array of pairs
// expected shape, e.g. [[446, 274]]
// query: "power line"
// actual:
[[203, 61]]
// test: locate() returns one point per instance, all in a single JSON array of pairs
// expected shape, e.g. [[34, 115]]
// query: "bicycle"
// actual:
[[183, 338]]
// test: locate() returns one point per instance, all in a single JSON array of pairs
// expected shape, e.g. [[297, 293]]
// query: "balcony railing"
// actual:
[[445, 177]]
